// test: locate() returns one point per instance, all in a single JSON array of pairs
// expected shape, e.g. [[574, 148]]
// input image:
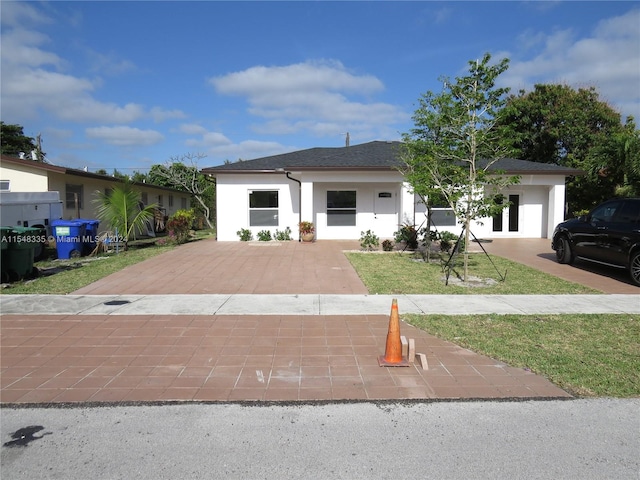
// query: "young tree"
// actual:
[[175, 173], [121, 207], [557, 124], [455, 142]]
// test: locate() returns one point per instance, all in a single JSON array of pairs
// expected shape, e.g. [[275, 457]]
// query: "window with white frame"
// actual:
[[170, 200], [5, 185], [263, 208], [341, 208]]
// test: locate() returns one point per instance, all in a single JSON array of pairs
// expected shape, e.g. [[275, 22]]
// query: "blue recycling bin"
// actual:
[[69, 235], [90, 239]]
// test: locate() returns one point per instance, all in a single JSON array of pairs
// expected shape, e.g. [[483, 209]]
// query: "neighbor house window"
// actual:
[[145, 198], [71, 193], [263, 208], [170, 200], [341, 208], [5, 185], [160, 200], [183, 203]]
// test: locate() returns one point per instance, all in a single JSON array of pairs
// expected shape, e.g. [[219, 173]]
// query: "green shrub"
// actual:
[[387, 245], [179, 225], [264, 236], [448, 240], [369, 241], [245, 235], [407, 234], [283, 236]]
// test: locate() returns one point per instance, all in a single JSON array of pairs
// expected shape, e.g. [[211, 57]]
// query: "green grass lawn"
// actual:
[[587, 355], [396, 273]]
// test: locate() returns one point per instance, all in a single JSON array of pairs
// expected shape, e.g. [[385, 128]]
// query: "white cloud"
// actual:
[[109, 63], [312, 96], [209, 139], [258, 82], [160, 115], [192, 129], [122, 136], [22, 48], [248, 150], [15, 13], [219, 147], [34, 80], [608, 59]]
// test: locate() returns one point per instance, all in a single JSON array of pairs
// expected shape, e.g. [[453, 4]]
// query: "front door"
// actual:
[[385, 212], [509, 220]]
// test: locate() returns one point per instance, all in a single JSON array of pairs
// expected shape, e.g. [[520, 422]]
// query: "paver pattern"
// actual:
[[230, 358]]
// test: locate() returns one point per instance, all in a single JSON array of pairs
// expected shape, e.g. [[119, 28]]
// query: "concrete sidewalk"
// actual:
[[314, 304]]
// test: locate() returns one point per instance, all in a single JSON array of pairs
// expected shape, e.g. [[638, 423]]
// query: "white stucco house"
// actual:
[[77, 187], [347, 190]]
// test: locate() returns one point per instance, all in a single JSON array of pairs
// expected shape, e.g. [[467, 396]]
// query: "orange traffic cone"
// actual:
[[393, 353]]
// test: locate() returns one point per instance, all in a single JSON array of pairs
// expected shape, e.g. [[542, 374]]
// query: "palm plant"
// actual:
[[122, 209]]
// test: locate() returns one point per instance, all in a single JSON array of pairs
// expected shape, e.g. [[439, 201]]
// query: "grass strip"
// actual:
[[587, 355], [402, 273]]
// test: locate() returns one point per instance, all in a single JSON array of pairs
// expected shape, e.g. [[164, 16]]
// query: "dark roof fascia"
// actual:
[[567, 172], [80, 173], [293, 169], [33, 164], [205, 171], [564, 172]]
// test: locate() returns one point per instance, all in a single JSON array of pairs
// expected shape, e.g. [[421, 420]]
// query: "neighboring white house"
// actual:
[[348, 190], [21, 175]]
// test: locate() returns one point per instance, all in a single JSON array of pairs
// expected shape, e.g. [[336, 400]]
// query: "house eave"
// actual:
[[563, 172], [214, 172], [47, 167]]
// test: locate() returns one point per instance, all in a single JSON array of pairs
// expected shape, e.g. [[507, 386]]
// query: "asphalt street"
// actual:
[[572, 439]]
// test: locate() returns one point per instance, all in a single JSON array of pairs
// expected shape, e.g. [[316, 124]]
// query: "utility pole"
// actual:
[[40, 157]]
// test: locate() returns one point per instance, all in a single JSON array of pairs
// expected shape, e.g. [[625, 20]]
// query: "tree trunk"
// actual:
[[206, 210], [467, 224]]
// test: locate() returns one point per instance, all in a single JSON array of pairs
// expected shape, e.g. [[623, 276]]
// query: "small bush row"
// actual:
[[245, 235]]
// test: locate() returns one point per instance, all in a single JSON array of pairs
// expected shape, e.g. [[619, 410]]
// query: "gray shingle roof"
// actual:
[[375, 155]]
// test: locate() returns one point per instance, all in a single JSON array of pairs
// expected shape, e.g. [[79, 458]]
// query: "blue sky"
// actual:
[[130, 84]]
